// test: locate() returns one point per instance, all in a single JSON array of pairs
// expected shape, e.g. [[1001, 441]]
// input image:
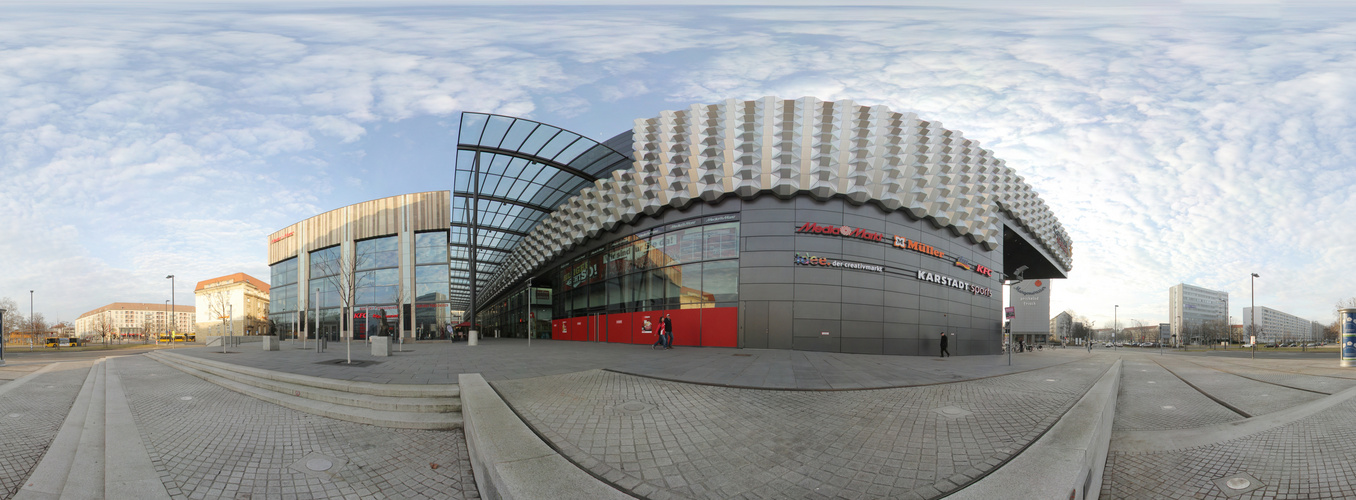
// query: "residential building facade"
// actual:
[[133, 320], [1276, 326], [235, 304]]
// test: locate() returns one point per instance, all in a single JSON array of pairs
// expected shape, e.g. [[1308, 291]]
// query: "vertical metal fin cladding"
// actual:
[[803, 146]]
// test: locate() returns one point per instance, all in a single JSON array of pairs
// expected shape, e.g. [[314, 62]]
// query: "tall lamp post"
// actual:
[[2, 337], [1115, 317], [1253, 322], [173, 306], [164, 327], [32, 332]]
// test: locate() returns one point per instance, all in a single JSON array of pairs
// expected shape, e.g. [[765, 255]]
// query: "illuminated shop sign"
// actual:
[[805, 259], [968, 265], [908, 244], [954, 283], [844, 231], [895, 241], [280, 238]]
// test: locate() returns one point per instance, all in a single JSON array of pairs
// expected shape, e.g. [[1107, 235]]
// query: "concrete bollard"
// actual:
[[473, 338]]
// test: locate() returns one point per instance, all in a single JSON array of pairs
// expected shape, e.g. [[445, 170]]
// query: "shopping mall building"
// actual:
[[783, 224]]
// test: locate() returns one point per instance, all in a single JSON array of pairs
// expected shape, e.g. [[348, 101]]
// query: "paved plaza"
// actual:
[[724, 423]]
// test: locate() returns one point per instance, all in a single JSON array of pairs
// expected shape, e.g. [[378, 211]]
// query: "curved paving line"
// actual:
[[836, 389], [1182, 439], [1221, 402], [1033, 441], [1292, 371], [1001, 463], [557, 449], [1260, 380]]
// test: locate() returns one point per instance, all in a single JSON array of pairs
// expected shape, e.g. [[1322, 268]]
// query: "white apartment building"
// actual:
[[1276, 326], [1193, 311], [1061, 326], [130, 320], [239, 297]]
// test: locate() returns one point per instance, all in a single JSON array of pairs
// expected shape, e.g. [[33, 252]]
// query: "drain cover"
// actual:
[[952, 411], [185, 398], [320, 464], [1237, 483]]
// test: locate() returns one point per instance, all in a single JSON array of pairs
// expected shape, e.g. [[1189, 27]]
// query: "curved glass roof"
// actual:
[[526, 170]]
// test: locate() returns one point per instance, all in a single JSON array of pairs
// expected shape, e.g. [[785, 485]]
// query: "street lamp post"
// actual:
[[1253, 322], [2, 337], [164, 325], [32, 330], [175, 325], [1115, 316]]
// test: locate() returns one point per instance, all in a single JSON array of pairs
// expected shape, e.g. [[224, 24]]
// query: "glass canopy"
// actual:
[[510, 173]]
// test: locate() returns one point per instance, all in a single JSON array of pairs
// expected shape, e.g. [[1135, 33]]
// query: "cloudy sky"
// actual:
[[1181, 142]]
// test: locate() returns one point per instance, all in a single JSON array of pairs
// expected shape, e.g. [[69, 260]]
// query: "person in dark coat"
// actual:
[[945, 353], [668, 331]]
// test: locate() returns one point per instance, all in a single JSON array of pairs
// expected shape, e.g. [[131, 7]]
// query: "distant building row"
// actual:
[[240, 298]]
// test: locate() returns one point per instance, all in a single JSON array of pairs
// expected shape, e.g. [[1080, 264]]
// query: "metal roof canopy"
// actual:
[[510, 174]]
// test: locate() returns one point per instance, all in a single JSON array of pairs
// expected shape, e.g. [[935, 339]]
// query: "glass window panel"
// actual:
[[538, 139], [471, 126], [384, 277], [495, 128], [430, 274], [574, 150], [517, 133], [720, 280], [689, 279], [597, 296], [384, 294], [430, 292], [558, 143], [722, 241]]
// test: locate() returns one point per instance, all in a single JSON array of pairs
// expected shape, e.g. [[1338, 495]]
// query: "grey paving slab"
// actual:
[[1321, 379], [205, 441], [664, 439], [1251, 396], [1151, 398], [31, 414], [506, 359], [1310, 458]]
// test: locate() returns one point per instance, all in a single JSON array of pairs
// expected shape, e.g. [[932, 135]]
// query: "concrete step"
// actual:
[[72, 467], [448, 401], [401, 390], [299, 394]]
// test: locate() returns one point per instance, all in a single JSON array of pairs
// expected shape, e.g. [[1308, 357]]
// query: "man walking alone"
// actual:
[[945, 353]]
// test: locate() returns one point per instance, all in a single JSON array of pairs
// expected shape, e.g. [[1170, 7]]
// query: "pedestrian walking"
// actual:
[[668, 331], [659, 337], [945, 353]]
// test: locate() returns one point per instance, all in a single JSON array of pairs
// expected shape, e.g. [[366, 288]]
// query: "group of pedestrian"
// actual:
[[665, 337]]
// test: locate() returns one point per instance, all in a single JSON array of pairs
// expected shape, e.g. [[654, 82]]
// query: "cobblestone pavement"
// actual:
[[207, 442], [1302, 457], [437, 362], [662, 439], [1151, 398], [1312, 458], [30, 416]]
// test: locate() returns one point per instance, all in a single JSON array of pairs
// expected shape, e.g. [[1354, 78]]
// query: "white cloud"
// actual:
[[1175, 144]]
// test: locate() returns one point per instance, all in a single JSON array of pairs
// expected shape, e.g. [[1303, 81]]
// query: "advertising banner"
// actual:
[[1347, 318], [1031, 302]]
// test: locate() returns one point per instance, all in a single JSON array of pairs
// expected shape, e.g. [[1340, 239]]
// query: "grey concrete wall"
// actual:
[[789, 306]]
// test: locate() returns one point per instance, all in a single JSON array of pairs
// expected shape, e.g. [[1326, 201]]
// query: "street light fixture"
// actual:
[[1115, 315], [1253, 322], [173, 306], [32, 331]]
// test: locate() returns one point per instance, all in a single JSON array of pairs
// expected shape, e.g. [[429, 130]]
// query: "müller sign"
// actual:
[[954, 283]]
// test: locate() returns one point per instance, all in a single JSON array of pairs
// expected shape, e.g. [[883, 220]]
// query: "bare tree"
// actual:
[[13, 318], [218, 306]]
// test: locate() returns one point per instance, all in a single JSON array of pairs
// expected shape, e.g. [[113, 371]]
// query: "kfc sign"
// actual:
[[844, 231]]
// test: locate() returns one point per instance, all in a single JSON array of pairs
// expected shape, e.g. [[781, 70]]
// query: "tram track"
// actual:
[[1212, 397]]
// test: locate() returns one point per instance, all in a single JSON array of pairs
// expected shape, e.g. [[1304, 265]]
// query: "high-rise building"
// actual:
[[1197, 314], [1276, 326]]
